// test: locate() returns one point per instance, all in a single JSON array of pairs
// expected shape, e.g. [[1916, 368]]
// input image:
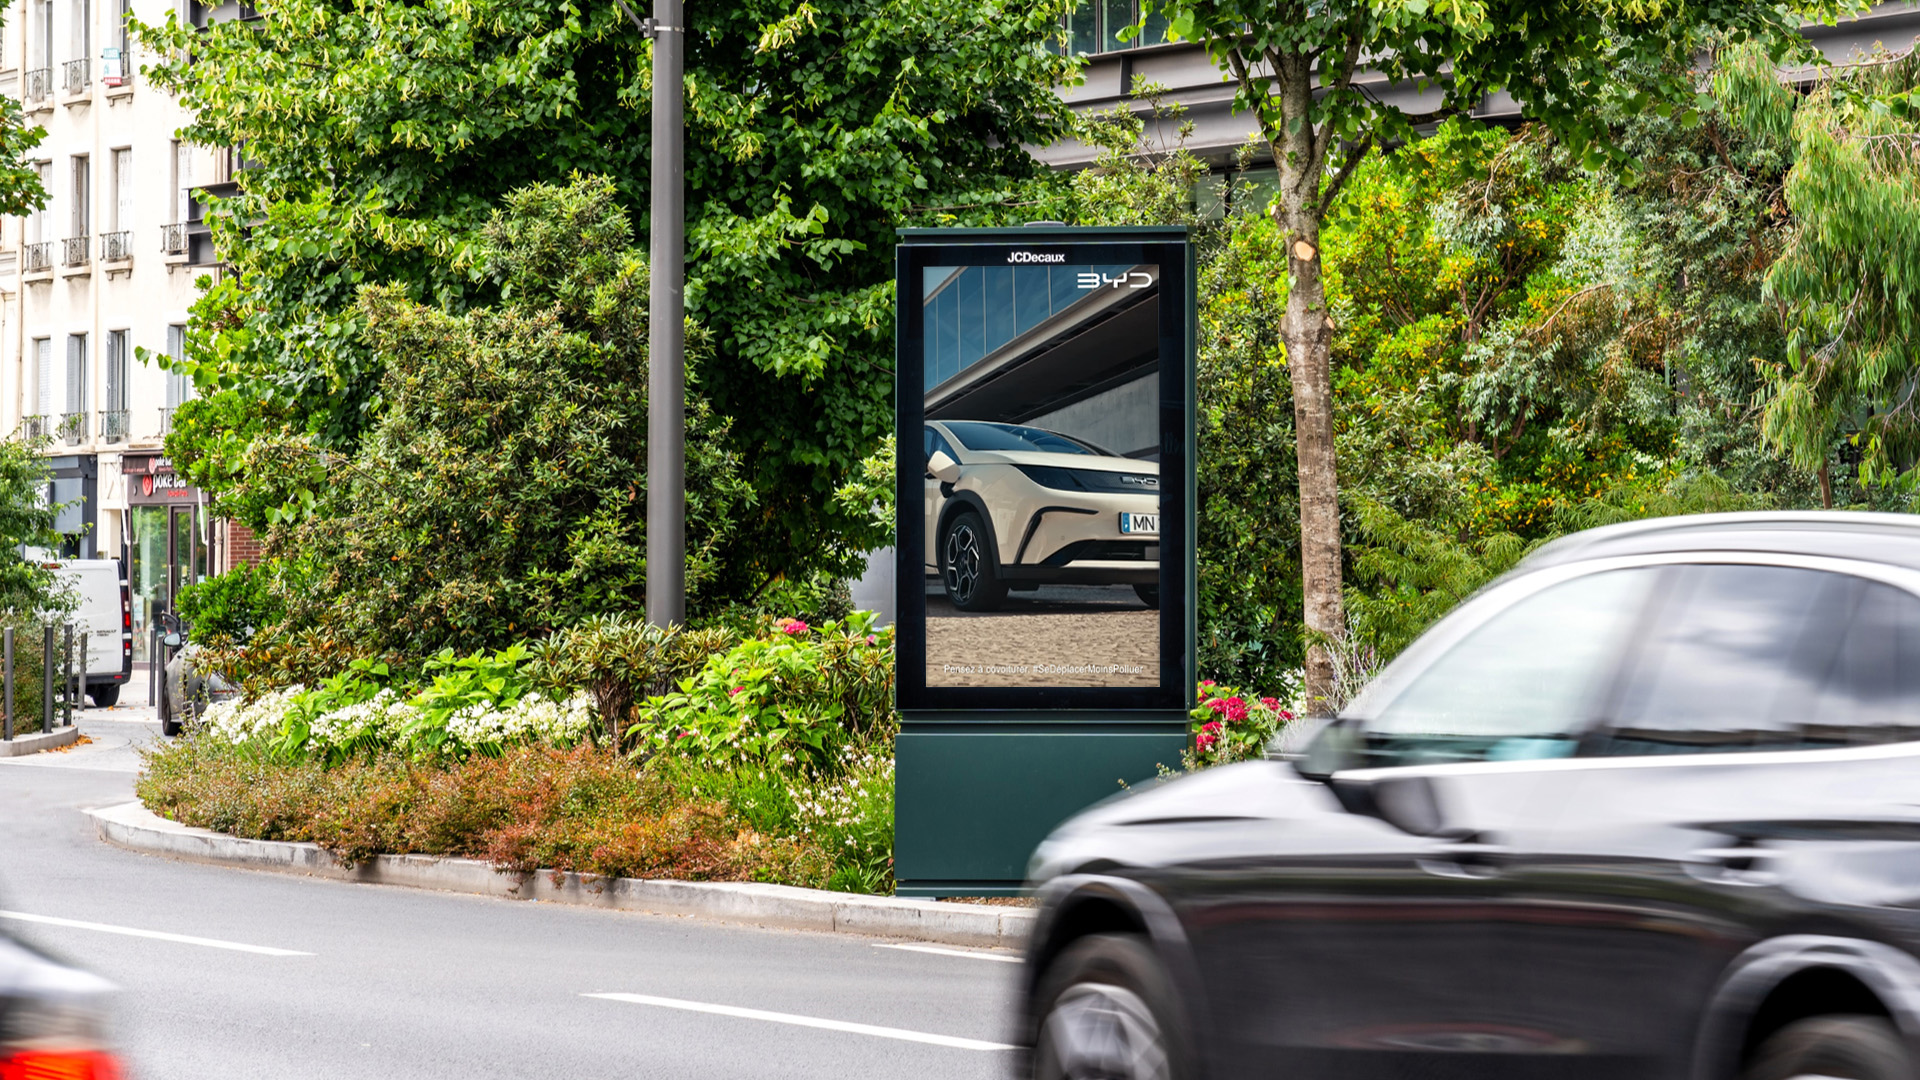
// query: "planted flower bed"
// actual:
[[768, 757]]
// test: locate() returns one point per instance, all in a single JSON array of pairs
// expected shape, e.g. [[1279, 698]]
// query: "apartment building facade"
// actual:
[[104, 272]]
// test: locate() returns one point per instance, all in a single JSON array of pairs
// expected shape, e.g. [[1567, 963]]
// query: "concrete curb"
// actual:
[[21, 745], [133, 826]]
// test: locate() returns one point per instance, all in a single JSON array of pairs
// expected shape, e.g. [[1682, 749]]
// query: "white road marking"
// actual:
[[806, 1021], [157, 935], [938, 951]]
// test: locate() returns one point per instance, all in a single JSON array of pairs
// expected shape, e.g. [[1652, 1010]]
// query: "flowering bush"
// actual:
[[476, 705], [851, 817], [1233, 727]]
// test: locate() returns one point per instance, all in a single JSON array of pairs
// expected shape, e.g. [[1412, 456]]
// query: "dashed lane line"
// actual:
[[157, 935], [875, 1030], [938, 951]]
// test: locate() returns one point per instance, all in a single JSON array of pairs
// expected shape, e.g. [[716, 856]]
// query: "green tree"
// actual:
[[26, 519], [1849, 274], [501, 494], [1296, 64], [376, 137]]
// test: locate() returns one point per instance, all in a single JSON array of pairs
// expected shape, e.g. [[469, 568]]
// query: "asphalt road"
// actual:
[[395, 984]]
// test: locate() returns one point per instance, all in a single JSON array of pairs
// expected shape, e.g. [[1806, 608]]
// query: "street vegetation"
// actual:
[[424, 380]]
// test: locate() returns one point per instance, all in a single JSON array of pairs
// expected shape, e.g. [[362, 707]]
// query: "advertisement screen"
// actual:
[[1041, 513]]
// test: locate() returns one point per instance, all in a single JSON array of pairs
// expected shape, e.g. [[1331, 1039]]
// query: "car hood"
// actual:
[[1216, 812], [1061, 461]]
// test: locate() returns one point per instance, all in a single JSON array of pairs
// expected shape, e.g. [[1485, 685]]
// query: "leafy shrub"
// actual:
[[529, 808], [232, 606], [801, 696], [620, 661], [1231, 727]]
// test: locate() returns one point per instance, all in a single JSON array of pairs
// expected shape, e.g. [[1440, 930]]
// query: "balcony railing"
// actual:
[[76, 75], [116, 246], [75, 253], [173, 239], [33, 427], [166, 419], [37, 86], [37, 257], [73, 428], [114, 425]]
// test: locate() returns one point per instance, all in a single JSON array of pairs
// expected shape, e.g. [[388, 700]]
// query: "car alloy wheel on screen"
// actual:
[[966, 566]]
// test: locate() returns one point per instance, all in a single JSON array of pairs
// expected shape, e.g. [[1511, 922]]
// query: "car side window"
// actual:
[[1524, 684], [1769, 658], [935, 442]]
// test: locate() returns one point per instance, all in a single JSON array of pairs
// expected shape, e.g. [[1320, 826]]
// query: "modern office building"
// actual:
[[106, 271]]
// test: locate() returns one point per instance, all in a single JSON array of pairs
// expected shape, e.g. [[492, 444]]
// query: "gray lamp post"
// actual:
[[666, 323]]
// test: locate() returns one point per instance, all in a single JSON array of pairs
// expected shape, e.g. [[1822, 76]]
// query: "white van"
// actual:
[[106, 614]]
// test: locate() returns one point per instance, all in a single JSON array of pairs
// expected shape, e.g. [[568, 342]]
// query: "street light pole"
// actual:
[[666, 326]]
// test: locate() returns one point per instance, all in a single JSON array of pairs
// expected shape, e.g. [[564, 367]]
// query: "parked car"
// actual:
[[52, 1018], [1647, 807], [1010, 506], [106, 615]]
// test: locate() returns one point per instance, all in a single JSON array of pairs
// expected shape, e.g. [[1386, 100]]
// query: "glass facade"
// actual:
[[1094, 26], [973, 310]]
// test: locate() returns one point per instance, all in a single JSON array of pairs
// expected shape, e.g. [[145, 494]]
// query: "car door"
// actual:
[[1350, 948], [1662, 860]]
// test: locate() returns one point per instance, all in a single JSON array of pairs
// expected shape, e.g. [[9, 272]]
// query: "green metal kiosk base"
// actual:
[[977, 792]]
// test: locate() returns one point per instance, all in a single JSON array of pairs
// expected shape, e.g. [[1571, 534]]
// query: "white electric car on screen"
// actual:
[[1011, 507]]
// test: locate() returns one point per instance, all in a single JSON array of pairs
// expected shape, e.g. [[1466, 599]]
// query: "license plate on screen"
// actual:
[[1140, 524]]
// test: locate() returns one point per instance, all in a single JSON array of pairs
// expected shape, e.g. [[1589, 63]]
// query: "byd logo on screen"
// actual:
[[1035, 257]]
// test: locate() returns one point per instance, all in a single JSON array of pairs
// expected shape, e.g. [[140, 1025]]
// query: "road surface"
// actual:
[[257, 976]]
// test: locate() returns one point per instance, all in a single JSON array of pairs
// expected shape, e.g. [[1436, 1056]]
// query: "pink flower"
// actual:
[[1285, 715], [1270, 702], [871, 639], [735, 690], [1204, 742], [793, 626], [1236, 709], [1211, 725], [1218, 704], [1206, 682], [686, 735]]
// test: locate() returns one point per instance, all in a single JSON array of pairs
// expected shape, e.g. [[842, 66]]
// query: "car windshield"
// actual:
[[981, 435]]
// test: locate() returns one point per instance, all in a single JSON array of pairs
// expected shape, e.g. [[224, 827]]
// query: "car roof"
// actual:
[[1893, 539]]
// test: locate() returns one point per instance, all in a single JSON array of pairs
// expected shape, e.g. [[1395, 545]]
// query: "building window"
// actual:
[[1094, 26], [76, 373], [116, 371], [43, 375], [82, 29], [82, 195], [179, 386], [37, 221], [123, 180], [183, 209]]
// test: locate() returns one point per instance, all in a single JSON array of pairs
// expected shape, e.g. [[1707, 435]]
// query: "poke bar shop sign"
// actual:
[[151, 481]]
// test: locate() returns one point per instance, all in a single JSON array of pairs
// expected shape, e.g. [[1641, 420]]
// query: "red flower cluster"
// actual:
[[793, 626], [1235, 709]]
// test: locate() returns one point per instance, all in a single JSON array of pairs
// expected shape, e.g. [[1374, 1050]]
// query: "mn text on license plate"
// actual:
[[1140, 524]]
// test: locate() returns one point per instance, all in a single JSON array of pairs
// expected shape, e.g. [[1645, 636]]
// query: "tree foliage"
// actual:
[[1302, 67], [1849, 273], [26, 520], [377, 136], [502, 492]]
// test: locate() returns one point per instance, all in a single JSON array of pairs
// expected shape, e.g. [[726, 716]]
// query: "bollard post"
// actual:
[[80, 687], [46, 677], [6, 647], [66, 677]]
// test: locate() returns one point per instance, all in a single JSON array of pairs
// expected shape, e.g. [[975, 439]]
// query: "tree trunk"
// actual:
[[1307, 333], [1826, 486]]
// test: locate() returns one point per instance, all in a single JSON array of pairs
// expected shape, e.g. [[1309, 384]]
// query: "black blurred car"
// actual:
[[1647, 807], [52, 1019]]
